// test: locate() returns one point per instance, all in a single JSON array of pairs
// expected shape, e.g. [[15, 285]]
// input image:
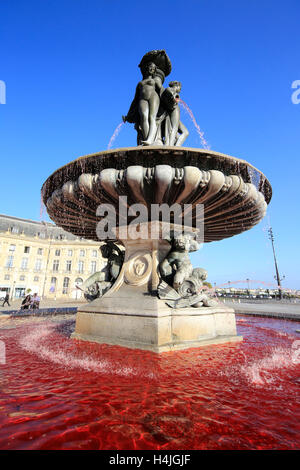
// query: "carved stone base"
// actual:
[[130, 314], [159, 330]]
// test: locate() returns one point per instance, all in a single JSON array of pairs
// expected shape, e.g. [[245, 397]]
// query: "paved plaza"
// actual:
[[277, 309]]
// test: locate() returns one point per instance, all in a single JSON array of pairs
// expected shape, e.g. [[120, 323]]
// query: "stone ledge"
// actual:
[[151, 313], [39, 312], [178, 330]]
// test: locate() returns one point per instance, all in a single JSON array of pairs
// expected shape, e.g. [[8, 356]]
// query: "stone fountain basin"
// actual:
[[234, 193]]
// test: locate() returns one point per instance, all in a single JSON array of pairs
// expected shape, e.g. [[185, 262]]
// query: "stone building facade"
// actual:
[[41, 257]]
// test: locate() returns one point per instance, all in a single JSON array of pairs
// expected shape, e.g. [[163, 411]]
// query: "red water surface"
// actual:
[[60, 393]]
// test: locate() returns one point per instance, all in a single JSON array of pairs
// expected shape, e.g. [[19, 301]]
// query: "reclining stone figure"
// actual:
[[101, 281]]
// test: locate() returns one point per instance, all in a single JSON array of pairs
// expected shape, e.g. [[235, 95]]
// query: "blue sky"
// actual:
[[70, 69]]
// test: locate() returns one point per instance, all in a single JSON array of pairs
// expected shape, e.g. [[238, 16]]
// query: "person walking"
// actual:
[[6, 300]]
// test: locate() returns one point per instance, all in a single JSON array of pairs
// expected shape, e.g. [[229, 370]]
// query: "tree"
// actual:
[[207, 284]]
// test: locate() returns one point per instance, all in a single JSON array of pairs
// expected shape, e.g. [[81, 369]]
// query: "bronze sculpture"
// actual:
[[100, 282], [154, 109]]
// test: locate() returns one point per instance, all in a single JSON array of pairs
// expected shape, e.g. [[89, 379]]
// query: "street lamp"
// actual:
[[48, 256], [276, 277], [13, 290], [229, 287]]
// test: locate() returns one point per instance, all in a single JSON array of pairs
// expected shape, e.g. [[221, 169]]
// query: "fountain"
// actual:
[[61, 393], [149, 296]]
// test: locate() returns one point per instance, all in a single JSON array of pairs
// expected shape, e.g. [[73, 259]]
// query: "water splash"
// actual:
[[34, 342], [200, 133], [261, 372], [39, 341], [42, 209], [115, 134]]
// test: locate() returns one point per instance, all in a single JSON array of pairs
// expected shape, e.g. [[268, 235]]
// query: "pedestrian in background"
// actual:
[[6, 300]]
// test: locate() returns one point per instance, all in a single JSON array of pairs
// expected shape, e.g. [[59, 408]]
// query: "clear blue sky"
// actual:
[[70, 68]]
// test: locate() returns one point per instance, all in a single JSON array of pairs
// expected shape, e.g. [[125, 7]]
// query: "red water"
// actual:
[[59, 393]]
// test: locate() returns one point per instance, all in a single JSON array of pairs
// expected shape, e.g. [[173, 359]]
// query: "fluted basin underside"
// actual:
[[234, 193]]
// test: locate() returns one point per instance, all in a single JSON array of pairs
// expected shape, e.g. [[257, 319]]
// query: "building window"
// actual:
[[57, 252], [38, 265], [68, 266], [66, 285], [12, 247], [78, 284], [82, 253], [7, 277], [24, 263], [40, 251], [36, 279], [22, 278], [55, 265], [10, 261], [15, 229], [27, 249], [70, 252], [42, 234], [93, 267], [53, 284], [80, 266], [94, 253]]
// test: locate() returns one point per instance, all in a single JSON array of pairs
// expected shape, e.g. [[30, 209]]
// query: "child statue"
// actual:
[[175, 132], [147, 101]]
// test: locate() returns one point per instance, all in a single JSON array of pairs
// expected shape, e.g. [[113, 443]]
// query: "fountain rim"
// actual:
[[163, 150]]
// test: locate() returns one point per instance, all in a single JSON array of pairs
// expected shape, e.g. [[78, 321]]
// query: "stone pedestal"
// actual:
[[130, 314]]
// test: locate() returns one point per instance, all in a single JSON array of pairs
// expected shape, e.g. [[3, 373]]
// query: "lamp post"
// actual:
[[48, 256], [13, 291], [276, 277]]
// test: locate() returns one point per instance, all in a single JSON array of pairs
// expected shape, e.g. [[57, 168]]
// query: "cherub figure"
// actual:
[[101, 281], [173, 126], [177, 264], [187, 282]]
